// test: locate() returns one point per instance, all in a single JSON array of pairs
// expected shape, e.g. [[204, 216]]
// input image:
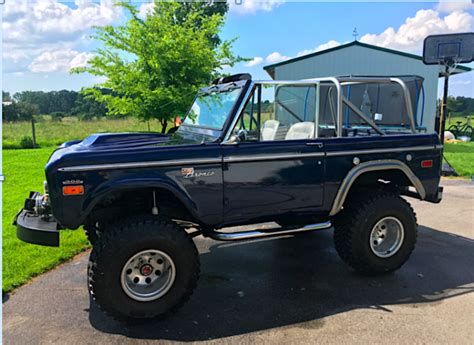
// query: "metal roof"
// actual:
[[270, 68]]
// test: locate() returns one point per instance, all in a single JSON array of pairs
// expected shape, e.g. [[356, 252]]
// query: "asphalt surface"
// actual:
[[283, 290]]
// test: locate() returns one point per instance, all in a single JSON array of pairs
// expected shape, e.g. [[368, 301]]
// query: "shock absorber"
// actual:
[[154, 210]]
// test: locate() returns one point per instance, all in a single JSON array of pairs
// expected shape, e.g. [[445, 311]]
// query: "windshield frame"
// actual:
[[210, 131]]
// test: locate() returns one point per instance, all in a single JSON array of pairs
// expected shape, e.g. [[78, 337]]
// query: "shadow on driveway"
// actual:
[[259, 285]]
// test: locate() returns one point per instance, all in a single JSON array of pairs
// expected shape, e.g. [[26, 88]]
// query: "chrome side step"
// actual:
[[245, 235]]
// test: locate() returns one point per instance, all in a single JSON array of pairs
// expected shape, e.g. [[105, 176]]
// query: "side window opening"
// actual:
[[282, 112], [306, 111]]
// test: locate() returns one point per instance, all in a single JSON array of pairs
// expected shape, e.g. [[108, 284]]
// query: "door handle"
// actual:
[[312, 143]]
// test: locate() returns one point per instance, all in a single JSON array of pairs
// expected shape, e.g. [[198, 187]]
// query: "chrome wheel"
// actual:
[[148, 275], [387, 237]]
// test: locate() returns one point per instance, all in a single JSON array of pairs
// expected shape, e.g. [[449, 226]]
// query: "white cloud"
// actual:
[[58, 61], [254, 62], [146, 9], [410, 35], [455, 5], [243, 7], [49, 21], [324, 46], [275, 57], [33, 28]]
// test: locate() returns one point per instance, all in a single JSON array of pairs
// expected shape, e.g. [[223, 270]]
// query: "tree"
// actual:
[[154, 66], [20, 112], [87, 107], [6, 97]]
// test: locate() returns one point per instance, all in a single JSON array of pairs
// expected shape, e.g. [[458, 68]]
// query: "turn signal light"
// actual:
[[427, 164], [73, 190]]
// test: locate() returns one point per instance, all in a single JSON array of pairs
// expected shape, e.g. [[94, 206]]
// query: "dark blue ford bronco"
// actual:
[[302, 155]]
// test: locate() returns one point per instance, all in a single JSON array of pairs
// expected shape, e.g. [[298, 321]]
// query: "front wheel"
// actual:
[[376, 235], [142, 269]]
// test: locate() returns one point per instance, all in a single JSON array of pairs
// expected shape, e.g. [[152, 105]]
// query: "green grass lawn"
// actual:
[[24, 171], [53, 133], [461, 156]]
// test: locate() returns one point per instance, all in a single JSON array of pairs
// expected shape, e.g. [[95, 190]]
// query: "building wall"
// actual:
[[358, 60]]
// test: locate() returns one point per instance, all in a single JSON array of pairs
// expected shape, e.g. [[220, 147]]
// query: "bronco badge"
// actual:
[[189, 172]]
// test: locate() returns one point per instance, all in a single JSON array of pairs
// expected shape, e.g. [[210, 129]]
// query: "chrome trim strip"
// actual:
[[379, 165], [439, 147], [257, 158], [245, 235], [133, 165], [397, 149]]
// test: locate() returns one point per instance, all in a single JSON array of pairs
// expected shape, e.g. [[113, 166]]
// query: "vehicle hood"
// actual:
[[108, 147]]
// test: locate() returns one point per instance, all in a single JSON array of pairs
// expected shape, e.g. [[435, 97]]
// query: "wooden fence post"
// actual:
[[33, 131]]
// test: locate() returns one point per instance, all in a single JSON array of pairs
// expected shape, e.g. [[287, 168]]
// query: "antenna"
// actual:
[[355, 34]]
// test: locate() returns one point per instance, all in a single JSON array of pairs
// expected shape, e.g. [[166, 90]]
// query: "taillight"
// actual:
[[427, 163]]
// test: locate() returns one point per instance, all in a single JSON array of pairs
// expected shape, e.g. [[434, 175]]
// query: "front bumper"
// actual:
[[36, 228]]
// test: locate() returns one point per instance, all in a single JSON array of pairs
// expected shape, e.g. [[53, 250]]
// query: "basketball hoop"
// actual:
[[448, 51], [448, 48]]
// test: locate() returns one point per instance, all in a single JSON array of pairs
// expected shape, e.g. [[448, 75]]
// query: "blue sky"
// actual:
[[42, 40]]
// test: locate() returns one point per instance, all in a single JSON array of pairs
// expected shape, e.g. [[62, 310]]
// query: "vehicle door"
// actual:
[[273, 165]]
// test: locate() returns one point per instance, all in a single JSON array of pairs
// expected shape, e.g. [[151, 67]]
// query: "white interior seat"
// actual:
[[269, 130], [301, 130]]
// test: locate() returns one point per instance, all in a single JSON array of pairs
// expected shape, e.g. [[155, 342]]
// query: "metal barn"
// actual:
[[360, 59]]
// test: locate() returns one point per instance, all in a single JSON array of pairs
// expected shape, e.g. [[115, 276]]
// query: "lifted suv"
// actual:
[[305, 155]]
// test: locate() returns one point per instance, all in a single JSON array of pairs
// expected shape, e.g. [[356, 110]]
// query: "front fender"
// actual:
[[108, 187]]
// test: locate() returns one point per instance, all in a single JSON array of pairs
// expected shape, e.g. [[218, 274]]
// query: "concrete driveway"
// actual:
[[285, 290]]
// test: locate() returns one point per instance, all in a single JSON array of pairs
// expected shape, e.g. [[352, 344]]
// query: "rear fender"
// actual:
[[378, 165]]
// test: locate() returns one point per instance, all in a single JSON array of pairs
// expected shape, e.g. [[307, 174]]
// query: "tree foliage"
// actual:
[[154, 66], [55, 103], [461, 105], [6, 96], [19, 111]]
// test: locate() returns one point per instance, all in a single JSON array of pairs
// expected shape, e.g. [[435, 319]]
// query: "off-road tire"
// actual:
[[91, 235], [353, 225], [120, 242], [93, 232]]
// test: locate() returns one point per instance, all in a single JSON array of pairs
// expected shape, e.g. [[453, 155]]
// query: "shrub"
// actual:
[[27, 143], [86, 117], [57, 116]]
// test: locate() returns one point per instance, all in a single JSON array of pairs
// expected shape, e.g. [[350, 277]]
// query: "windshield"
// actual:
[[212, 109]]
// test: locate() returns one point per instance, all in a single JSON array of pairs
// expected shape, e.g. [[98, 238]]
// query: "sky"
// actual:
[[43, 39]]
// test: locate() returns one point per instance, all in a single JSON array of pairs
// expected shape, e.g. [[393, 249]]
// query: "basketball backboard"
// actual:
[[448, 49]]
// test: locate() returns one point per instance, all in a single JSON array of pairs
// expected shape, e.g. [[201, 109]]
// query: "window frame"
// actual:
[[338, 82]]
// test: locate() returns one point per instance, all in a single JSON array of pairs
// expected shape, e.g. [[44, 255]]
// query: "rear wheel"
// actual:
[[143, 269], [376, 235], [468, 131]]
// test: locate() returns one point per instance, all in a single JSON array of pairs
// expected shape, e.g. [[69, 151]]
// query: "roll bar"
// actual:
[[338, 83], [343, 81]]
